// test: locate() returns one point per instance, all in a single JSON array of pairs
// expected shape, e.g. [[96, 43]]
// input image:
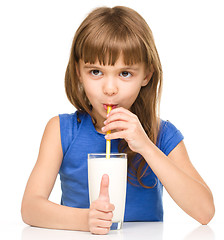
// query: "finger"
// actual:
[[99, 230], [104, 223], [103, 206], [117, 117], [117, 125], [117, 135], [97, 214], [120, 110], [101, 223], [104, 188]]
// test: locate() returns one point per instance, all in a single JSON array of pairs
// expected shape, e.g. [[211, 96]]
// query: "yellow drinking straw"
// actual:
[[108, 143]]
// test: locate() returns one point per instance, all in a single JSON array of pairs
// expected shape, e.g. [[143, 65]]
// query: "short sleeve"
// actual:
[[169, 137]]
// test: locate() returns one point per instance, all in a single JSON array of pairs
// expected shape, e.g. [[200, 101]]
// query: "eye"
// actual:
[[96, 72], [125, 74]]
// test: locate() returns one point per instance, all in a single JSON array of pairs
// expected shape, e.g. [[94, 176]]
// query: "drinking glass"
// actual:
[[116, 168]]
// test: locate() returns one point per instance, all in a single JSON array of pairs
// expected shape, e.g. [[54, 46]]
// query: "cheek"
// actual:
[[133, 89], [130, 94], [90, 90]]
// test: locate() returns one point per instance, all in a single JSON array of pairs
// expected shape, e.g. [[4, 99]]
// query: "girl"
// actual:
[[113, 62]]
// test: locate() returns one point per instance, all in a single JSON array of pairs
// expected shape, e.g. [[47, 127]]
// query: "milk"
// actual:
[[116, 168]]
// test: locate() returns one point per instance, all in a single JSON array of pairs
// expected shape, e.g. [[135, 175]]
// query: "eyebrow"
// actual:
[[90, 66], [122, 68]]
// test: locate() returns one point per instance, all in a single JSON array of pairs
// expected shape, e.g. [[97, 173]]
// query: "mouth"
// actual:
[[112, 105]]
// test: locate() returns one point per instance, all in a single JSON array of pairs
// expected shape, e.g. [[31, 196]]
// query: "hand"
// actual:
[[126, 125], [101, 210]]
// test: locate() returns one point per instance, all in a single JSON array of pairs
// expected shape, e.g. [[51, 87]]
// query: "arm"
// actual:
[[175, 171], [36, 209], [182, 181]]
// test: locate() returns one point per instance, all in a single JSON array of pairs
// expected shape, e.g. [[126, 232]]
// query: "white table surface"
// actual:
[[130, 231]]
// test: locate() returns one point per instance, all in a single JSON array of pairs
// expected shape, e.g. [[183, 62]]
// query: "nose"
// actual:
[[110, 87]]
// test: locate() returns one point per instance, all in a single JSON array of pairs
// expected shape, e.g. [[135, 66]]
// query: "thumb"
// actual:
[[104, 188]]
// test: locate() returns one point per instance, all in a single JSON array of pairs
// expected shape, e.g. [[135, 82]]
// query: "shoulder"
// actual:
[[69, 125], [52, 129], [53, 122], [67, 116], [53, 125], [167, 128], [50, 147], [169, 136], [71, 117]]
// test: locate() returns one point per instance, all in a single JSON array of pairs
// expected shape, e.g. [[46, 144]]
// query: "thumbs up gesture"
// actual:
[[101, 210]]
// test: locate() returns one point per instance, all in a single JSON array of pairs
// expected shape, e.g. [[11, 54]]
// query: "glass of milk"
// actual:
[[116, 168]]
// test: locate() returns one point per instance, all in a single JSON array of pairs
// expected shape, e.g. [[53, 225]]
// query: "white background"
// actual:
[[35, 42]]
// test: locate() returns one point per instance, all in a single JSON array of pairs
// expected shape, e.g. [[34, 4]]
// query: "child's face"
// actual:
[[116, 85]]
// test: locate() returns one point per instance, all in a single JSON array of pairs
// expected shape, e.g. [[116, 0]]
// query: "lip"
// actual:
[[112, 105]]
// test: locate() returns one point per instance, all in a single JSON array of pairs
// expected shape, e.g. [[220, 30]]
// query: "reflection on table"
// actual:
[[130, 231]]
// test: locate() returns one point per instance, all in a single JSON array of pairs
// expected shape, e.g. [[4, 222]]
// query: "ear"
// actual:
[[147, 78]]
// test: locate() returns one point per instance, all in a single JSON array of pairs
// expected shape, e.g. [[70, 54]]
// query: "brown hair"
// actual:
[[103, 35]]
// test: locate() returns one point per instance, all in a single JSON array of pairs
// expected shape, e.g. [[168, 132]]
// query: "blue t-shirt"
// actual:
[[78, 138]]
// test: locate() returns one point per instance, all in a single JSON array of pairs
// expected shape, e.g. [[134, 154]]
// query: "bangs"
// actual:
[[107, 42]]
